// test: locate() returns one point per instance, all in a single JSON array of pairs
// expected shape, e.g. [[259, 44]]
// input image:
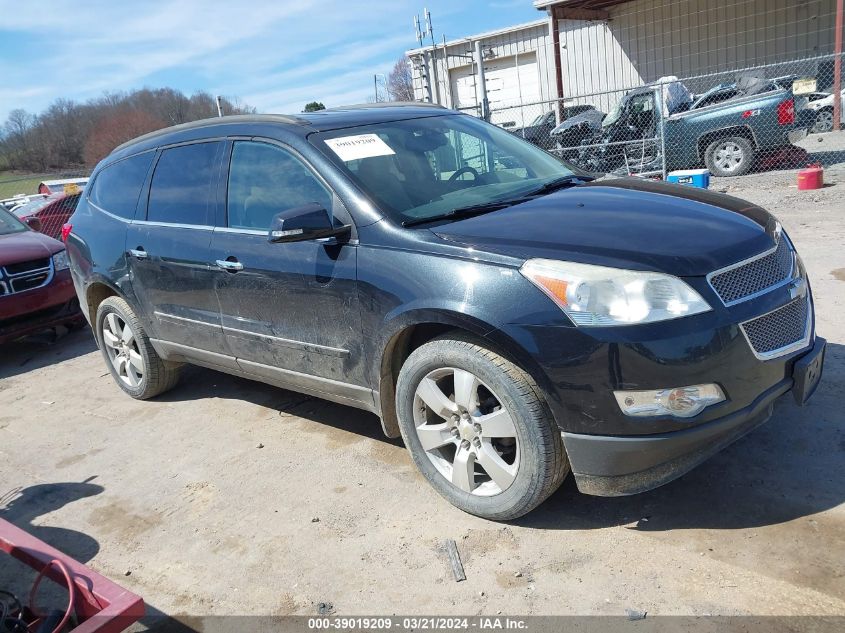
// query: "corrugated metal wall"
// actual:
[[534, 38], [648, 39]]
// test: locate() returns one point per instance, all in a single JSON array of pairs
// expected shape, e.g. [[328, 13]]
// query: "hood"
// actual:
[[592, 118], [626, 222], [25, 246]]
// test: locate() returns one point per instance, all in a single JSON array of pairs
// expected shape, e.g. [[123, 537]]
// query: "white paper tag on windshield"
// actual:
[[359, 146]]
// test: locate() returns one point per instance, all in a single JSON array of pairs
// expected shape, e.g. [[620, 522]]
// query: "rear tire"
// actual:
[[478, 428], [731, 156], [824, 121], [133, 362]]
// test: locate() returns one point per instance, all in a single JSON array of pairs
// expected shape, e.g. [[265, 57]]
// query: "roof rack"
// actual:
[[231, 118], [384, 104]]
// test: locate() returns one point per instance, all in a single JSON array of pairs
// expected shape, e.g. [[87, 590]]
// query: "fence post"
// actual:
[[837, 68], [485, 104]]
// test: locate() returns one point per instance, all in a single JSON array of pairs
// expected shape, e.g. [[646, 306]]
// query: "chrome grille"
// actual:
[[27, 267], [780, 331], [755, 275], [24, 276]]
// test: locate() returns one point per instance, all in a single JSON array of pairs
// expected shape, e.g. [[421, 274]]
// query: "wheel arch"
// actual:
[[737, 130], [413, 329], [98, 290]]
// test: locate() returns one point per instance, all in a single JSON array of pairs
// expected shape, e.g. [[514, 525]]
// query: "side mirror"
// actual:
[[34, 223], [306, 222]]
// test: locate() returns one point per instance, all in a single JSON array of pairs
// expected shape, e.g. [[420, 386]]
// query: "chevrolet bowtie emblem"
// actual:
[[797, 288]]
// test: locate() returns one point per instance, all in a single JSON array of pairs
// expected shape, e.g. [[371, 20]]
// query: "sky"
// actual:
[[276, 55]]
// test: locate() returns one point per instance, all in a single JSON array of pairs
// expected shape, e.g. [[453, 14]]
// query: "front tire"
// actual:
[[731, 156], [478, 428], [133, 362]]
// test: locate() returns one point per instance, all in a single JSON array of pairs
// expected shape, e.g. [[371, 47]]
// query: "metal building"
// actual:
[[517, 68], [586, 47]]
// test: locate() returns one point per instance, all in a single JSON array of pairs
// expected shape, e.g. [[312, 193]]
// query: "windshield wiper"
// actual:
[[463, 212], [558, 183], [486, 207]]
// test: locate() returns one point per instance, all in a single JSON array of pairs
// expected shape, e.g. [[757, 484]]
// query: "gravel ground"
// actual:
[[231, 497]]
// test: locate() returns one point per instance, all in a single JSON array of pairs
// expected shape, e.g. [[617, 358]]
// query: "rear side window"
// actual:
[[117, 187], [183, 184]]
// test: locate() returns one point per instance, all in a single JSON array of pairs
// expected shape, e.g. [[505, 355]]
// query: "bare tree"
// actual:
[[118, 128], [69, 134], [400, 85]]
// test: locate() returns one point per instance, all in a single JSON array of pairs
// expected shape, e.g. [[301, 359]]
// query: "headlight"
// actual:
[[60, 261], [601, 296]]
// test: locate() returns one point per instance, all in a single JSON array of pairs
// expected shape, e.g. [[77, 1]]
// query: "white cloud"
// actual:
[[272, 54]]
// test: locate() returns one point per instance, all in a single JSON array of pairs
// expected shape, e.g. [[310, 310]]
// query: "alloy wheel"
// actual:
[[466, 431], [729, 156], [122, 349], [824, 121]]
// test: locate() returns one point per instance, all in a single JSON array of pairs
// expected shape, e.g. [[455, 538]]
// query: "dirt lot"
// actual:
[[179, 493]]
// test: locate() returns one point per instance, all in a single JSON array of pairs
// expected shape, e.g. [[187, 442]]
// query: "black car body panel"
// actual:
[[331, 317]]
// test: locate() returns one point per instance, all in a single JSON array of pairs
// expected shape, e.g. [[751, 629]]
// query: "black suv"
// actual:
[[511, 317]]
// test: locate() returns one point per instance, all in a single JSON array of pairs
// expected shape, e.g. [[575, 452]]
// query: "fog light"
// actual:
[[681, 402]]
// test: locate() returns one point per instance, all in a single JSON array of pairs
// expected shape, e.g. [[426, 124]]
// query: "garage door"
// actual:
[[511, 81]]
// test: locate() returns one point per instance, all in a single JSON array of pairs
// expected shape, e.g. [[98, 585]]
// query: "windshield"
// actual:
[[32, 206], [427, 167], [613, 116], [10, 224], [540, 119]]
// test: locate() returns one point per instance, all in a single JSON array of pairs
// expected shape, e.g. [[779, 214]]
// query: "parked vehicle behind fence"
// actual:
[[52, 212], [512, 318], [36, 291], [727, 129]]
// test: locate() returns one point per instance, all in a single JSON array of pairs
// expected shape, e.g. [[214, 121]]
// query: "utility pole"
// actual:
[[837, 68], [482, 85], [421, 33]]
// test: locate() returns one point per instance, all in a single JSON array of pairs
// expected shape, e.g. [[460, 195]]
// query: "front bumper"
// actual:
[[614, 466], [37, 309]]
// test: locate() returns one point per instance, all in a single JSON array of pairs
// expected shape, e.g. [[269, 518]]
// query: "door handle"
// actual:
[[139, 253], [230, 266]]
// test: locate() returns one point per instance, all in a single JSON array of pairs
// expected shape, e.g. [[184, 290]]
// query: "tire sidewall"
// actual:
[[439, 354], [742, 143], [113, 305]]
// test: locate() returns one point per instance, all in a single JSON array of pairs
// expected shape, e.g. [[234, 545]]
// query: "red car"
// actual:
[[52, 211], [36, 290]]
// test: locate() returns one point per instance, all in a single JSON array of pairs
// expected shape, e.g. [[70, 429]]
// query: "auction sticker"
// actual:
[[359, 146]]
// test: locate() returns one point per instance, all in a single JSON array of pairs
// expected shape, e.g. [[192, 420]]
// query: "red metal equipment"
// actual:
[[100, 605]]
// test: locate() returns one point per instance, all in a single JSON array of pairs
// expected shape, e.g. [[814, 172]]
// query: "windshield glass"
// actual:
[[613, 116], [427, 167], [32, 206], [10, 224], [539, 119]]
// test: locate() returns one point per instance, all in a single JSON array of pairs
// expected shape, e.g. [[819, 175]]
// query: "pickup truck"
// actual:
[[727, 136]]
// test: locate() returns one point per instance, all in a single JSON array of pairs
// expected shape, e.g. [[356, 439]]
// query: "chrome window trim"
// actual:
[[231, 229], [4, 289], [804, 341], [109, 213], [174, 225], [790, 278]]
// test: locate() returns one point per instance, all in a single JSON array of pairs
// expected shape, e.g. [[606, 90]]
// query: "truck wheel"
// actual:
[[134, 364], [731, 156], [478, 428], [824, 121]]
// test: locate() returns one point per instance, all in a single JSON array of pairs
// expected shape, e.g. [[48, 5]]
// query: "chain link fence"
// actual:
[[44, 201], [757, 118]]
